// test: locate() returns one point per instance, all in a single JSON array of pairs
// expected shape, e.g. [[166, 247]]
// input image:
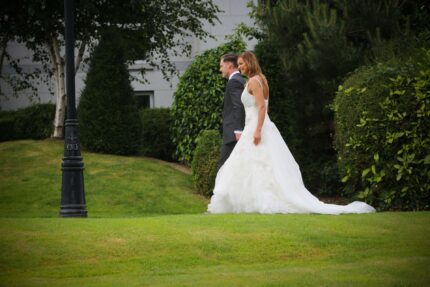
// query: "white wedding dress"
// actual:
[[265, 178]]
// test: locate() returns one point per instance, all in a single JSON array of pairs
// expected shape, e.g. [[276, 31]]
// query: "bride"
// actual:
[[261, 174]]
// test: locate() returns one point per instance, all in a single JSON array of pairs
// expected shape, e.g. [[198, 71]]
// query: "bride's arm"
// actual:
[[257, 91]]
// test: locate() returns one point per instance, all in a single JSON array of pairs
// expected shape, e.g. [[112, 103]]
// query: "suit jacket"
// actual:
[[233, 113]]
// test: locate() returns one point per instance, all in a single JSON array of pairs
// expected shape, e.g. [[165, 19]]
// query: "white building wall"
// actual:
[[234, 12]]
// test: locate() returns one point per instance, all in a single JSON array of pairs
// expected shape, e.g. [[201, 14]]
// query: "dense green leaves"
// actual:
[[151, 30], [156, 141], [318, 44], [107, 112], [199, 99], [34, 122], [383, 133], [205, 161]]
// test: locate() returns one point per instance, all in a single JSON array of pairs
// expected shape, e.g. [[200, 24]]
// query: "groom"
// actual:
[[234, 112]]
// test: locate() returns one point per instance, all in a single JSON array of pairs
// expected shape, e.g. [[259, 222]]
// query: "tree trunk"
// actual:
[[80, 55], [60, 106], [60, 83], [60, 91]]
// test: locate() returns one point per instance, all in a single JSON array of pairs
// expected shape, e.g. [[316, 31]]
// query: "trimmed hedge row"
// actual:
[[34, 122], [156, 140]]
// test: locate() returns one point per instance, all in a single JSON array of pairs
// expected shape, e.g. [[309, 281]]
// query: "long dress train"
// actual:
[[265, 178]]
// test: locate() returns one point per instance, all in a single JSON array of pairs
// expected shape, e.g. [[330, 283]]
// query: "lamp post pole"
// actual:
[[72, 189]]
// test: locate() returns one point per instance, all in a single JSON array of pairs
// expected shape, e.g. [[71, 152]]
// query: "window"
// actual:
[[145, 99]]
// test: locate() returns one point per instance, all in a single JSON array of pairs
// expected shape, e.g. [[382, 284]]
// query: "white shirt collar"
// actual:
[[232, 74]]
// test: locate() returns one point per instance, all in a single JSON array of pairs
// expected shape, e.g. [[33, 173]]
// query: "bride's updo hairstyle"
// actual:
[[254, 68]]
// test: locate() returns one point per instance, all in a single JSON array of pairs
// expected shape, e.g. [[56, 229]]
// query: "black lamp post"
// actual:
[[72, 190]]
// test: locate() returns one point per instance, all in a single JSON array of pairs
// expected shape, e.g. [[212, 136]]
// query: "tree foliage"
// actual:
[[318, 44], [199, 99], [151, 30], [107, 111]]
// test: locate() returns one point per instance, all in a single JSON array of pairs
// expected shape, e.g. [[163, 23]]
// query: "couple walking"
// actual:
[[257, 172]]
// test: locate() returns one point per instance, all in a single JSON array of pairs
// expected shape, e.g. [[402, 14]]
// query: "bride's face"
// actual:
[[243, 67]]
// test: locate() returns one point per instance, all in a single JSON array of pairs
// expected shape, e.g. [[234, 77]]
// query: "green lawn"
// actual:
[[132, 240], [115, 186], [386, 249]]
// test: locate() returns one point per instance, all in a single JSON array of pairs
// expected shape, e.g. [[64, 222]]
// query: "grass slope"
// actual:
[[381, 249], [30, 183], [385, 249]]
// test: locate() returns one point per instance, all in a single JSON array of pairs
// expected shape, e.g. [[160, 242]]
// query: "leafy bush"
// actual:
[[34, 122], [205, 161], [383, 134], [7, 130], [107, 112], [199, 99], [156, 141]]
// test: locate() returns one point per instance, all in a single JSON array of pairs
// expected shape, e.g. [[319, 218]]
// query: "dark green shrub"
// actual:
[[107, 112], [34, 122], [383, 133], [7, 123], [319, 43], [205, 161], [199, 99], [156, 140]]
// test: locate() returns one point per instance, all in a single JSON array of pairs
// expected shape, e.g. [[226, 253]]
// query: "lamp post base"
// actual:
[[73, 210], [72, 191]]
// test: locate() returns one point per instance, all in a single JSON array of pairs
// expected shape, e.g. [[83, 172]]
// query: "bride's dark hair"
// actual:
[[254, 68]]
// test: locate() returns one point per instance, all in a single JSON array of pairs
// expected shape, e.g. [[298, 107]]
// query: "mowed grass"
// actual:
[[30, 183], [147, 227], [386, 249]]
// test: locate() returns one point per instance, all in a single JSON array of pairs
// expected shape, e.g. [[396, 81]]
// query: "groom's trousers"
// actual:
[[226, 150]]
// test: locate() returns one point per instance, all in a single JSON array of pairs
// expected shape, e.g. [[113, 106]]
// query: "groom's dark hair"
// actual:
[[232, 58]]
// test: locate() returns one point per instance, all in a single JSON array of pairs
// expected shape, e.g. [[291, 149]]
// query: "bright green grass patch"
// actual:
[[30, 183], [382, 249]]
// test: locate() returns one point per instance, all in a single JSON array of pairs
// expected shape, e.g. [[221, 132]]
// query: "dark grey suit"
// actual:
[[233, 116]]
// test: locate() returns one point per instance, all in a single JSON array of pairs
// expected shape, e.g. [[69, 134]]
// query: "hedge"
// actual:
[[34, 122], [107, 112], [382, 115], [205, 161], [156, 139]]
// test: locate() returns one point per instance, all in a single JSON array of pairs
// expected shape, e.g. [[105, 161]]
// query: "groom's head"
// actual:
[[228, 65]]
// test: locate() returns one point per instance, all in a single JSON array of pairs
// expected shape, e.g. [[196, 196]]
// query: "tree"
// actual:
[[11, 25], [151, 30], [107, 109], [318, 43]]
